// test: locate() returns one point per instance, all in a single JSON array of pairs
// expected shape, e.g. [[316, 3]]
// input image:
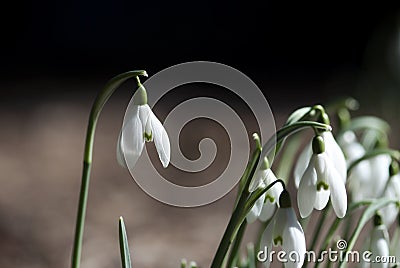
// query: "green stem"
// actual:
[[236, 245], [317, 232], [97, 107], [245, 204], [236, 217]]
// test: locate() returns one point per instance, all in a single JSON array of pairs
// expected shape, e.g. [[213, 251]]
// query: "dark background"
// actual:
[[56, 55], [291, 45]]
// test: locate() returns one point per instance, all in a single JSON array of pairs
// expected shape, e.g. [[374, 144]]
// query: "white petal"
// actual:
[[395, 246], [322, 196], [307, 190], [161, 140], [390, 212], [277, 189], [379, 174], [351, 148], [267, 211], [120, 153], [302, 163], [379, 245], [255, 210], [336, 155], [257, 180], [294, 242], [132, 140], [322, 199], [144, 112], [359, 181], [280, 225], [338, 191]]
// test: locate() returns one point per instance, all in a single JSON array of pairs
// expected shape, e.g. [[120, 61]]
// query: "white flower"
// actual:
[[332, 150], [371, 183], [141, 125], [395, 246], [352, 149], [369, 177], [320, 181], [379, 247], [392, 191], [265, 206], [286, 231]]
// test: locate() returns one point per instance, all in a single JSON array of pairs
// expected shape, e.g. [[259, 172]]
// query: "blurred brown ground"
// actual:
[[41, 153]]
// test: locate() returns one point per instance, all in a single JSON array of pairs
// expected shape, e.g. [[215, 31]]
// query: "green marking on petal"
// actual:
[[278, 240], [148, 136], [323, 185], [269, 198]]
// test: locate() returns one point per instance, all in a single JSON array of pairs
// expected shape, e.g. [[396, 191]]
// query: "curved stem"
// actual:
[[245, 202], [97, 107], [236, 218]]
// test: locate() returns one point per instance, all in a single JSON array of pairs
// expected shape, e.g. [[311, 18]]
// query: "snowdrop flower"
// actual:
[[360, 174], [369, 177], [378, 244], [265, 206], [352, 149], [332, 151], [141, 126], [371, 184], [320, 181], [392, 191], [286, 231], [395, 246]]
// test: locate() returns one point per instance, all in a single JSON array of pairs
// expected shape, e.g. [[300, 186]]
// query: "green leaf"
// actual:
[[298, 115], [251, 256], [366, 216], [123, 245], [368, 122]]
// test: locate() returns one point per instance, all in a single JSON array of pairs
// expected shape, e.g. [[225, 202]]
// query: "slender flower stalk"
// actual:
[[97, 107]]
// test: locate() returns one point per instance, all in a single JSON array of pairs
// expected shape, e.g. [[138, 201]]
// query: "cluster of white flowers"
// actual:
[[320, 175]]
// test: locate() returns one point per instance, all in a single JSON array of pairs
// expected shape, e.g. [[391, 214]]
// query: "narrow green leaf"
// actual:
[[366, 216], [298, 115], [123, 245], [251, 256], [368, 122]]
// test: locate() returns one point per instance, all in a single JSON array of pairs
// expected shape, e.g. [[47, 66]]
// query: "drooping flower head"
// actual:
[[378, 244], [322, 180], [392, 191], [141, 126], [285, 231], [266, 205]]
